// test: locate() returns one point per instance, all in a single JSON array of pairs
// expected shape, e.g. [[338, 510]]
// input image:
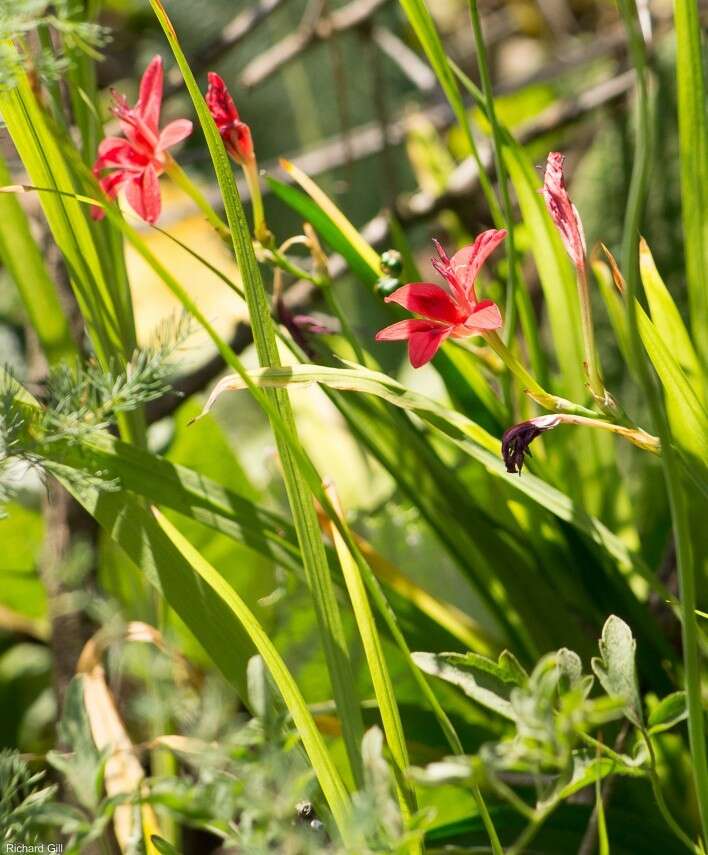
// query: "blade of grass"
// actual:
[[424, 27], [304, 515], [693, 149], [378, 670], [667, 319], [322, 763], [211, 609], [22, 258], [485, 77], [310, 473], [685, 560], [466, 434]]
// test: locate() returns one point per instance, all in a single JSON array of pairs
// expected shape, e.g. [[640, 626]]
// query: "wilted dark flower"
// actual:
[[517, 439]]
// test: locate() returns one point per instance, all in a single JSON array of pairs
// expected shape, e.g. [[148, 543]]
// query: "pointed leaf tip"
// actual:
[[616, 668]]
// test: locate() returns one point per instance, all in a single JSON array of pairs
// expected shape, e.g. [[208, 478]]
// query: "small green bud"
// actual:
[[391, 262], [386, 285]]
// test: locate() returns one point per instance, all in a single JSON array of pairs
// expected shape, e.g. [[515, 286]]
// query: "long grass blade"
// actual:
[[685, 559], [378, 670], [693, 149], [304, 515], [22, 258]]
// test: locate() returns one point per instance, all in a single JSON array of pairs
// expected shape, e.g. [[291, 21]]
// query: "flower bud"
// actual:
[[235, 133]]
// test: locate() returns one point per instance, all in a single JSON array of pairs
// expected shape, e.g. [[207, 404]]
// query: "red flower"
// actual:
[[135, 161], [563, 212], [459, 314], [235, 133]]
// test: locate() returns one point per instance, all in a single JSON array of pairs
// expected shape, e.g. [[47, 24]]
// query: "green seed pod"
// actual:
[[391, 262], [386, 285]]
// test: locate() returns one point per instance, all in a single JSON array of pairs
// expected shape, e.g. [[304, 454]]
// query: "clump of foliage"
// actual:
[[539, 492]]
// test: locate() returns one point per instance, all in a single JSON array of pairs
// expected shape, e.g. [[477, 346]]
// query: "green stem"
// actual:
[[337, 311], [597, 387], [640, 438], [279, 259], [487, 820], [672, 475], [659, 796], [530, 831], [185, 183], [260, 229], [532, 387], [485, 77]]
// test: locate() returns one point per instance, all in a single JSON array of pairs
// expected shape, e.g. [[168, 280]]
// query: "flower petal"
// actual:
[[117, 152], [402, 330], [467, 263], [173, 133], [219, 101], [485, 316], [150, 97], [428, 300], [422, 346], [143, 195]]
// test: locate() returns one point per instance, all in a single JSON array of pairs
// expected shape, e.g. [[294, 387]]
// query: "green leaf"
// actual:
[[438, 665], [321, 761], [615, 309], [323, 225], [422, 22], [570, 665], [378, 670], [111, 331], [685, 412], [587, 769], [22, 258], [214, 612], [667, 320], [162, 846], [337, 218], [693, 150], [507, 668], [283, 422], [83, 766], [465, 433], [668, 712], [616, 669]]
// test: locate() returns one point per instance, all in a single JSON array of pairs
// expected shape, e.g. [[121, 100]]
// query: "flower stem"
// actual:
[[597, 387], [530, 831], [532, 387], [185, 183], [487, 820], [485, 77], [675, 487], [260, 228], [660, 801], [640, 438]]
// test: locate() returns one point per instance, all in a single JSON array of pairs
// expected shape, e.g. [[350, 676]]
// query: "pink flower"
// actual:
[[458, 314], [135, 161], [235, 133], [563, 212]]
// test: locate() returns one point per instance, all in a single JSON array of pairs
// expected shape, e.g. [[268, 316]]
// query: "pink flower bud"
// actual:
[[563, 212], [235, 133]]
